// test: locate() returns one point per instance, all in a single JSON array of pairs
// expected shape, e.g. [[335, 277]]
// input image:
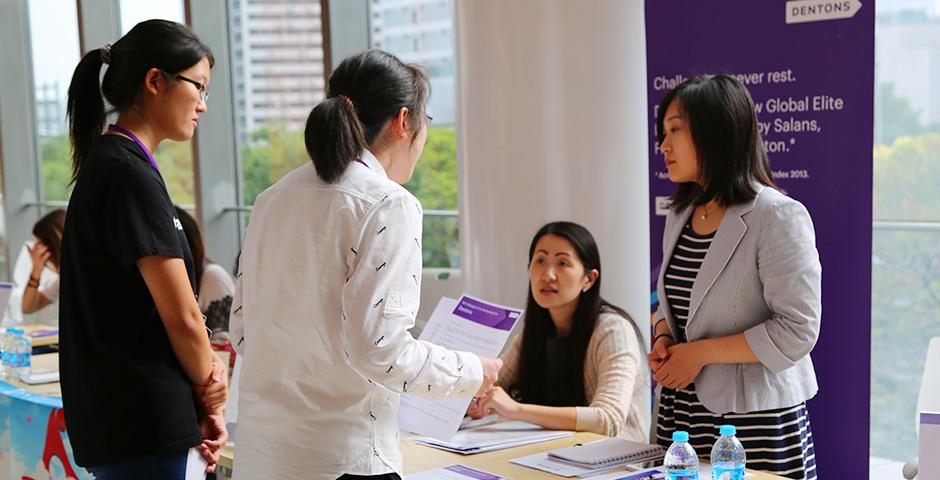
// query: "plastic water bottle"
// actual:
[[6, 342], [681, 462], [728, 457], [22, 352]]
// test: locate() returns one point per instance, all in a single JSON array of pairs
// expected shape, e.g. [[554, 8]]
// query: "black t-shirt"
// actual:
[[124, 393]]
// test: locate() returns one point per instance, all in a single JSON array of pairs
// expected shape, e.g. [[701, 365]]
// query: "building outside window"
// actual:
[[422, 32]]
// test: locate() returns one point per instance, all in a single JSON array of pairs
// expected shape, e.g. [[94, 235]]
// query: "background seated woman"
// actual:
[[41, 292]]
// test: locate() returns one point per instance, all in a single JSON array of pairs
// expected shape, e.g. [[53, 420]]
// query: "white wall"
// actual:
[[551, 122]]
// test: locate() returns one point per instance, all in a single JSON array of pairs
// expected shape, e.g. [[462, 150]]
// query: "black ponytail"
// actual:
[[168, 46], [85, 108], [339, 139], [364, 92]]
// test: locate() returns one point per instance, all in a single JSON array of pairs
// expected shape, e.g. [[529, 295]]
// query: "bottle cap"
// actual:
[[680, 436], [727, 430]]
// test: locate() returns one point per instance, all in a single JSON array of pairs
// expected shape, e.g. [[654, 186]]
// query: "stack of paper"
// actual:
[[494, 437]]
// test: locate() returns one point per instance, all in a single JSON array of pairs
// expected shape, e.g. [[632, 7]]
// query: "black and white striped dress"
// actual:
[[778, 441]]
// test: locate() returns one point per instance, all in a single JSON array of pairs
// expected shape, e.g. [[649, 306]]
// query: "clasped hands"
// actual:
[[675, 365], [210, 398]]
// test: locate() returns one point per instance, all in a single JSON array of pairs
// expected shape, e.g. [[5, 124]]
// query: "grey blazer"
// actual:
[[761, 276]]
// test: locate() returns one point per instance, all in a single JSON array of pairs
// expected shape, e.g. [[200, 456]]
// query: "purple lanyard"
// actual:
[[137, 141]]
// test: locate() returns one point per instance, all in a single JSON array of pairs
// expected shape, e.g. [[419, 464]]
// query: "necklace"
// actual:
[[706, 211]]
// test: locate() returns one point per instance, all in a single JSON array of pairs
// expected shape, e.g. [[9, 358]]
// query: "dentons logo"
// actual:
[[802, 11]]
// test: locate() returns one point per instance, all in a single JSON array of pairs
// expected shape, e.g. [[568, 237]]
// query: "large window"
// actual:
[[53, 27], [175, 158], [906, 243], [277, 51], [421, 31]]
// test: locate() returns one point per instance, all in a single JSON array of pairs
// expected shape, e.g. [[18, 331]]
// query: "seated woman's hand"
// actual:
[[474, 411], [497, 401]]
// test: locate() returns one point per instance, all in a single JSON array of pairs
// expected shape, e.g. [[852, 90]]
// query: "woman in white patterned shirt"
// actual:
[[329, 285]]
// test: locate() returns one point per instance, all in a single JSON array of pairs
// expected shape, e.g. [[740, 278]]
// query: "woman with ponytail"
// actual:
[[329, 285], [142, 390]]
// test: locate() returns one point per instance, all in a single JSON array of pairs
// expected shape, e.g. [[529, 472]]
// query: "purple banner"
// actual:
[[483, 313], [810, 67]]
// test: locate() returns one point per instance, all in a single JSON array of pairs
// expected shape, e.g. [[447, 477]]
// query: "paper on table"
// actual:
[[469, 325], [541, 461], [453, 472], [637, 473], [43, 332], [495, 437]]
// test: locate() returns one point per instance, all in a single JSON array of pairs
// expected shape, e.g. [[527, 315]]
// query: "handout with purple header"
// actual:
[[470, 325]]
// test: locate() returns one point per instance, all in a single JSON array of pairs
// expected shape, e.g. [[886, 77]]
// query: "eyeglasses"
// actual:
[[203, 89]]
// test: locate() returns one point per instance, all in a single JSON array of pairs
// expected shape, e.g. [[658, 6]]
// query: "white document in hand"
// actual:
[[469, 325]]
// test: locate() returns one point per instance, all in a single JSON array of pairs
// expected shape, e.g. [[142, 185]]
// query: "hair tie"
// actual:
[[106, 54], [348, 102]]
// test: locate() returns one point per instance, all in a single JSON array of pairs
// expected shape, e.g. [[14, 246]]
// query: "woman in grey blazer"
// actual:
[[740, 294]]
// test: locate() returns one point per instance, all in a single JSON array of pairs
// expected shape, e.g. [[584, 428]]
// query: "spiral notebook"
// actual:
[[608, 452]]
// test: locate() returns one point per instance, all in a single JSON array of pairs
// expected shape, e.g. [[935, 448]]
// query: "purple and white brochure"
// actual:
[[929, 467], [453, 472], [469, 325]]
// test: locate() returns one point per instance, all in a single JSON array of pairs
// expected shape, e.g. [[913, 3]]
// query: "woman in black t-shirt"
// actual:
[[141, 389]]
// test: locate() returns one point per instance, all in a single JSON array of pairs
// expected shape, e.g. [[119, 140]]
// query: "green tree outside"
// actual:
[[174, 158], [435, 183], [906, 287], [273, 151], [56, 167]]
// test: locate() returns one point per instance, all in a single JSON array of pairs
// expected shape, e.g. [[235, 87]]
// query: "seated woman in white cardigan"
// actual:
[[579, 363]]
